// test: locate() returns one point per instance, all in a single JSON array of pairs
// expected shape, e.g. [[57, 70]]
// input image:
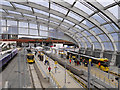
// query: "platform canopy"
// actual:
[[91, 23]]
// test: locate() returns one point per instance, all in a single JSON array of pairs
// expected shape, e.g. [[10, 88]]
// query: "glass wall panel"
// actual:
[[23, 24], [33, 32], [103, 37], [115, 36], [97, 45], [23, 31], [33, 26], [43, 33], [108, 46], [11, 23]]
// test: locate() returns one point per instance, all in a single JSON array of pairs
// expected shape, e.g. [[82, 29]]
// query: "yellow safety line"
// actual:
[[80, 82], [55, 80]]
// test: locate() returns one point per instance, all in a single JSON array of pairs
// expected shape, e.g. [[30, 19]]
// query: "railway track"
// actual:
[[82, 80]]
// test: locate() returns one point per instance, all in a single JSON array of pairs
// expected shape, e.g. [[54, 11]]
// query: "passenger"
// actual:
[[77, 63], [49, 68], [48, 63], [80, 62], [35, 52], [70, 61]]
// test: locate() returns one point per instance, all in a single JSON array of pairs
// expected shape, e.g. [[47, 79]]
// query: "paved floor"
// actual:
[[101, 75], [17, 77], [59, 76]]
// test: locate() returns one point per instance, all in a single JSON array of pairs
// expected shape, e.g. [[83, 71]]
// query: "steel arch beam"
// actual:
[[52, 25], [92, 20], [56, 20]]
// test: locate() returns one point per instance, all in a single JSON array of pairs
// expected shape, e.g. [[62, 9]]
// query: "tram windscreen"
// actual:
[[30, 57]]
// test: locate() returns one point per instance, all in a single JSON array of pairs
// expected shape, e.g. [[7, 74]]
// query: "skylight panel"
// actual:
[[73, 30], [86, 32], [96, 30], [59, 8], [89, 24], [1, 10], [98, 18], [40, 11], [108, 46], [109, 28], [64, 26], [5, 3], [75, 16], [93, 38], [105, 2], [69, 22], [79, 27], [14, 12], [54, 22], [83, 8], [22, 7], [42, 18], [70, 1], [29, 15], [103, 37], [56, 17], [114, 10], [41, 2]]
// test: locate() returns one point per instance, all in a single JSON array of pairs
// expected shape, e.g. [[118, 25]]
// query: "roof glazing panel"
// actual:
[[97, 30], [70, 1], [114, 11], [83, 8], [14, 12], [23, 7], [41, 2], [69, 22], [105, 2], [57, 17], [98, 18], [109, 28], [81, 29], [103, 37], [40, 11], [5, 3], [59, 8], [75, 16]]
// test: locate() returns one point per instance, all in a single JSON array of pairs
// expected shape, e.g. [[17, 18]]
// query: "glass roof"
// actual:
[[85, 19]]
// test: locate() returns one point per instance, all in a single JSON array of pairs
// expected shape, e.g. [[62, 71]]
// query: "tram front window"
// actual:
[[30, 57]]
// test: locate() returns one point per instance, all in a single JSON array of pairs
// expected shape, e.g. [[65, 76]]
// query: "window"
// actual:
[[96, 30], [104, 37], [43, 28], [59, 8], [75, 16], [23, 24], [93, 38], [33, 26], [83, 8], [43, 33], [109, 28], [98, 18], [114, 11], [97, 45], [14, 12], [54, 16], [70, 1], [69, 22], [11, 23], [87, 33], [33, 32], [79, 27], [40, 11], [108, 46], [23, 31], [22, 7], [115, 36]]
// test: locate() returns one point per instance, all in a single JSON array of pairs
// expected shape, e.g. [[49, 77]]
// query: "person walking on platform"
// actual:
[[77, 63], [99, 64], [49, 68], [70, 61]]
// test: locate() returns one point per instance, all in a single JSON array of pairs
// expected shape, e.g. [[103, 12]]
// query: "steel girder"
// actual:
[[85, 16], [55, 20], [90, 19], [52, 25]]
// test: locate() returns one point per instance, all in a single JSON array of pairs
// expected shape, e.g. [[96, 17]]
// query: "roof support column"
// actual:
[[113, 60], [101, 54]]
